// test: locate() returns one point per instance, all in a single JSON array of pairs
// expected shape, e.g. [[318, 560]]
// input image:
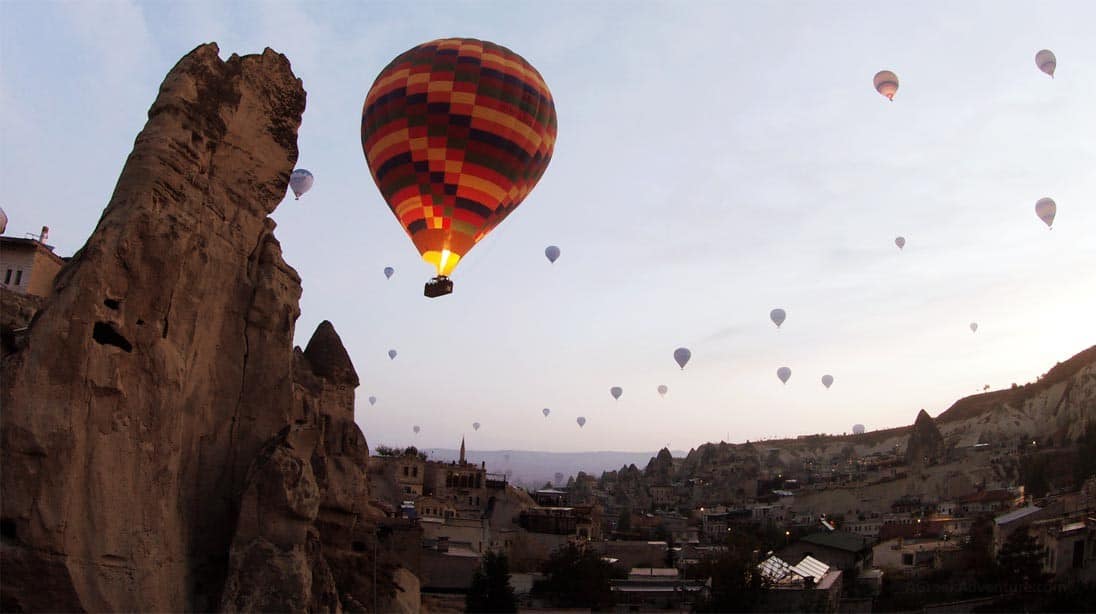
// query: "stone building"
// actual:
[[28, 266]]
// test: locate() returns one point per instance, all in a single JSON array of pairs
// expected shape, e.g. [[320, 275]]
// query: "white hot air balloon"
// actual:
[[581, 421], [392, 354], [1046, 61], [416, 429], [827, 380], [778, 316], [545, 411], [300, 181], [388, 272], [3, 222], [886, 83], [372, 400], [663, 389], [475, 426], [973, 327], [616, 391], [858, 429], [900, 242], [682, 356], [784, 374], [551, 253], [1046, 209]]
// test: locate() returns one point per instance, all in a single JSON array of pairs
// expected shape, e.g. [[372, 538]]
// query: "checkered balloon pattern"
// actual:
[[456, 132]]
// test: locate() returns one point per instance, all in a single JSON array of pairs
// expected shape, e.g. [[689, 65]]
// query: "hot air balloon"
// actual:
[[682, 356], [388, 272], [663, 389], [616, 391], [559, 478], [545, 411], [475, 426], [973, 327], [900, 242], [552, 253], [886, 83], [392, 354], [581, 422], [456, 133], [1045, 208], [3, 222], [416, 429], [777, 316], [827, 380], [1046, 61], [858, 429], [784, 374], [372, 400], [300, 181]]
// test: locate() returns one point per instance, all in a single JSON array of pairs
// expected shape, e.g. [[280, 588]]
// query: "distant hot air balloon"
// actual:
[[616, 391], [388, 272], [300, 181], [416, 429], [778, 316], [784, 374], [900, 242], [3, 222], [581, 422], [392, 354], [552, 253], [682, 356], [545, 411], [1046, 61], [456, 133], [858, 429], [559, 478], [886, 83], [475, 426], [1046, 208], [372, 400], [663, 389], [973, 327], [827, 380]]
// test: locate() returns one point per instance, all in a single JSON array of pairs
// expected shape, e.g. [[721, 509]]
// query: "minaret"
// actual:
[[462, 450]]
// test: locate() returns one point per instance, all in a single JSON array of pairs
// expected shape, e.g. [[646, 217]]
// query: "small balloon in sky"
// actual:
[[475, 426], [682, 356], [784, 374], [900, 242], [827, 380], [581, 421], [663, 389], [1046, 61], [545, 411], [1046, 209], [616, 391], [551, 253], [388, 272], [416, 429], [886, 83], [372, 400], [392, 354], [3, 222], [300, 181], [973, 327], [777, 316], [858, 429]]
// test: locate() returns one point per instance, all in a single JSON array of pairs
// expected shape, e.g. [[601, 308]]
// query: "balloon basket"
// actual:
[[439, 286]]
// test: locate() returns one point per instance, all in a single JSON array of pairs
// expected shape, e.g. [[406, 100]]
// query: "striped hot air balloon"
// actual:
[[456, 132]]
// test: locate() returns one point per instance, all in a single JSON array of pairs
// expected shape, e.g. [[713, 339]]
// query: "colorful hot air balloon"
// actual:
[[777, 316], [552, 253], [900, 242], [456, 133], [616, 391], [545, 411], [388, 272], [827, 380], [372, 400], [581, 421], [392, 354], [300, 181], [858, 429], [784, 374], [973, 327], [682, 356], [1046, 208], [663, 389], [416, 429], [475, 426], [1046, 61], [886, 83]]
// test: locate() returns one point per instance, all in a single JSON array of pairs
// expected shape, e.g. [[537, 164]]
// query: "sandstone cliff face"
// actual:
[[925, 445], [156, 402]]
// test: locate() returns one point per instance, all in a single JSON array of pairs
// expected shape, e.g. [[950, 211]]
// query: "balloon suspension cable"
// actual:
[[438, 286]]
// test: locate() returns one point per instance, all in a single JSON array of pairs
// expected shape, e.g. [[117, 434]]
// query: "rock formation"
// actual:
[[925, 445], [165, 448]]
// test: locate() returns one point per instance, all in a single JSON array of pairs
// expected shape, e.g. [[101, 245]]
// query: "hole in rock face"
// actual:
[[112, 303], [358, 546], [105, 334], [7, 528], [140, 322]]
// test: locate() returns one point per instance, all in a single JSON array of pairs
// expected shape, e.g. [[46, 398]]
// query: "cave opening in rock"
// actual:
[[7, 528], [105, 334], [112, 303]]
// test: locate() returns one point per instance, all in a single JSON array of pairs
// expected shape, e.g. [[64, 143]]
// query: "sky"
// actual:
[[714, 160]]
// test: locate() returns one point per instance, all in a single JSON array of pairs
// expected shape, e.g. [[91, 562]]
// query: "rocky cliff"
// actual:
[[165, 448]]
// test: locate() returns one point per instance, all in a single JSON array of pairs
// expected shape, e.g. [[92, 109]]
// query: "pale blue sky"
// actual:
[[714, 160]]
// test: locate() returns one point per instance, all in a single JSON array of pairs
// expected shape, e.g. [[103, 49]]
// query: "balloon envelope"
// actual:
[[663, 389], [545, 411], [388, 271], [416, 429], [392, 354], [682, 356], [778, 316], [616, 391], [372, 400], [581, 421], [475, 426], [551, 252], [1046, 61], [827, 380], [300, 181], [456, 133], [973, 327], [900, 242], [858, 429], [784, 373], [3, 222], [1046, 209], [886, 83]]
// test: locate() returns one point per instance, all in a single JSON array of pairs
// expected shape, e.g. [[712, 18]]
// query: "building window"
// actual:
[[405, 471], [415, 472], [19, 277], [907, 559], [7, 277]]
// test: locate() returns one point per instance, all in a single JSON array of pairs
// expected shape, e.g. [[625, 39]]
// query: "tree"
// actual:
[[736, 582], [578, 578], [491, 590], [1021, 559], [624, 520]]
